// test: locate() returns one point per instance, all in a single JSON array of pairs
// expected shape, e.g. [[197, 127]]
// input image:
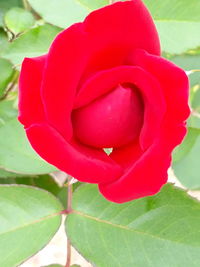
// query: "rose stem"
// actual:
[[69, 208], [26, 5]]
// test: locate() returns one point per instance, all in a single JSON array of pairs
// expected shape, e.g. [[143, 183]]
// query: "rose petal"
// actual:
[[127, 155], [172, 79], [147, 85], [30, 105], [61, 77], [149, 173], [127, 23], [114, 31], [84, 163]]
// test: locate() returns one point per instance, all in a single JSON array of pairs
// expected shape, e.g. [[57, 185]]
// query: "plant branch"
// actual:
[[195, 113], [196, 70], [69, 209], [26, 5], [11, 86]]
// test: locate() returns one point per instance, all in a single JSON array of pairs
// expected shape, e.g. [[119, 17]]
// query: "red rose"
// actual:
[[104, 84]]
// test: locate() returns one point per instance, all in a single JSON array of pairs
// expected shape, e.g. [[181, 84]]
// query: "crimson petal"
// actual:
[[148, 173], [128, 23], [61, 76], [87, 164], [30, 104], [172, 79]]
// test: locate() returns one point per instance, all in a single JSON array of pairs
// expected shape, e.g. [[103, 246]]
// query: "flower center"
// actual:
[[112, 120]]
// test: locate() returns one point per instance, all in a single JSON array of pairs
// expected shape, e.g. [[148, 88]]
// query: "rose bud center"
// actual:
[[113, 120]]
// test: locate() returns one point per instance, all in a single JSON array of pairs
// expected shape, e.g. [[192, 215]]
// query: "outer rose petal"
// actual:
[[113, 32], [147, 174], [30, 105], [173, 81], [61, 77], [127, 155], [86, 164], [124, 22]]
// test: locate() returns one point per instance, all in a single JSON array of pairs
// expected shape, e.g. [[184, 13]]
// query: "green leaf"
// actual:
[[189, 62], [186, 160], [55, 11], [5, 75], [5, 174], [61, 13], [62, 196], [7, 111], [33, 43], [196, 100], [162, 230], [93, 4], [16, 154], [173, 35], [194, 122], [43, 181], [18, 20], [7, 4], [29, 219], [7, 180], [175, 18], [183, 10], [46, 182], [181, 151], [3, 41]]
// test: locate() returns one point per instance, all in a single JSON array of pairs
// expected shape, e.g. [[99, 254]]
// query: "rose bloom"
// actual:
[[104, 85]]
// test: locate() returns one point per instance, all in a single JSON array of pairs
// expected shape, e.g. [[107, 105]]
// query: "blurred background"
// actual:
[[27, 28]]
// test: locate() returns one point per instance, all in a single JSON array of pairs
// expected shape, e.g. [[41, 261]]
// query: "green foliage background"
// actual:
[[156, 231]]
